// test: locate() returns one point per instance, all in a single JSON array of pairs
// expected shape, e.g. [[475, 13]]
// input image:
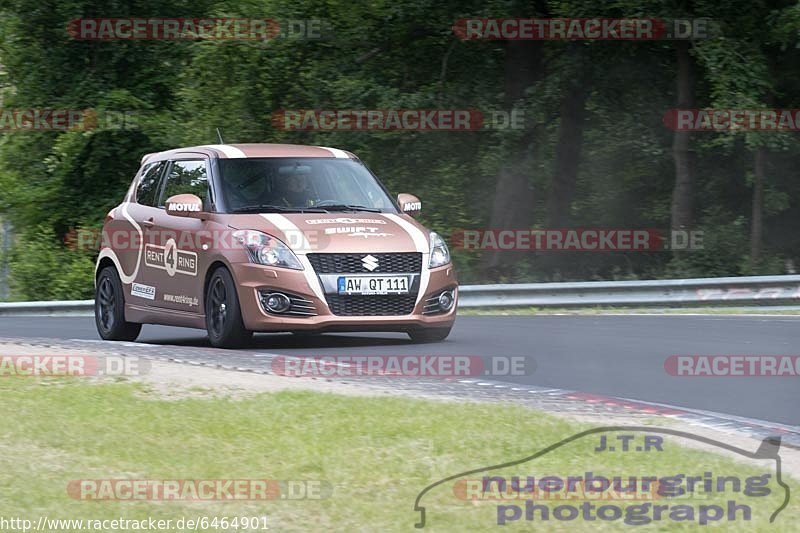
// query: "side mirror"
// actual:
[[185, 205], [409, 204]]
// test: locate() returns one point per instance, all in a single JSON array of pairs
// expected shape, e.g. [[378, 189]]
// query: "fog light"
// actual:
[[277, 303], [446, 300]]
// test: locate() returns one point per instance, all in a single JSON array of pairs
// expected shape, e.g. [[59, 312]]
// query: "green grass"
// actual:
[[377, 453]]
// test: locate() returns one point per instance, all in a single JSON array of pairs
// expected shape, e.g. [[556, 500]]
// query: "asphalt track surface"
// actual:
[[620, 356]]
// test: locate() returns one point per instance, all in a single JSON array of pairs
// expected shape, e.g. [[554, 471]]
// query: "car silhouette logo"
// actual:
[[768, 449], [369, 262]]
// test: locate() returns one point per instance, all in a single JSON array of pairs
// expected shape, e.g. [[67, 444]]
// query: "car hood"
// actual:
[[339, 232]]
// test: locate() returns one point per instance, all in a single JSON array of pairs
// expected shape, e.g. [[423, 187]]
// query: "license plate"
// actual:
[[373, 285]]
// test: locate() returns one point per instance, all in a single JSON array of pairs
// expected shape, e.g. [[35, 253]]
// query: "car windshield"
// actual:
[[300, 184]]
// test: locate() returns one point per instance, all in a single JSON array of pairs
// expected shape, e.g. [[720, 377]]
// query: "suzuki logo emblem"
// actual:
[[369, 262]]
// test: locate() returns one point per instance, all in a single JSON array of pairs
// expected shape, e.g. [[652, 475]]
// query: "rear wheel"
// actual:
[[223, 314], [109, 309], [429, 335]]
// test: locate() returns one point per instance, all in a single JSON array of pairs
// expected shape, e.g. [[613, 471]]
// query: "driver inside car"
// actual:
[[293, 189]]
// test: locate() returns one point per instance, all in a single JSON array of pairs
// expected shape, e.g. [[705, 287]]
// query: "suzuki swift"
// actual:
[[246, 238]]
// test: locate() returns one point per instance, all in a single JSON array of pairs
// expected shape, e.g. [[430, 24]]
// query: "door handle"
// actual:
[[149, 222]]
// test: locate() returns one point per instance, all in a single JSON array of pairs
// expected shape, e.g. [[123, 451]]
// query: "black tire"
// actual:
[[224, 322], [109, 308], [429, 334]]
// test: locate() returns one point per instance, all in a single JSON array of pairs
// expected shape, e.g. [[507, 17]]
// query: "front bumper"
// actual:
[[251, 279]]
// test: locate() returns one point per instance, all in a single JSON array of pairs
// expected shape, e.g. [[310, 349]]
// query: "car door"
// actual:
[[133, 230], [174, 255]]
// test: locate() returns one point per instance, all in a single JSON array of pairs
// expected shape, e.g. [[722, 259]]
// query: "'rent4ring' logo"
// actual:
[[171, 259]]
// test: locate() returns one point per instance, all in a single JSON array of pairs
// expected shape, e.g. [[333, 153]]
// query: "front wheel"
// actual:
[[109, 309], [429, 334], [223, 314]]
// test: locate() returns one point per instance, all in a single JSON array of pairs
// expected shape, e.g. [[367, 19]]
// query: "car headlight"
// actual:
[[440, 255], [267, 250]]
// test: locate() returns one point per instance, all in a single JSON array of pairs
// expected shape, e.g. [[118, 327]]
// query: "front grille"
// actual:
[[371, 305], [392, 263]]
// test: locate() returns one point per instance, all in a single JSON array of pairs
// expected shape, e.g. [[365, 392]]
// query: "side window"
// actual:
[[147, 191], [186, 177]]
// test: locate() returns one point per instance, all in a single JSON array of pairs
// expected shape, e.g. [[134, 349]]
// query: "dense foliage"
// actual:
[[594, 151]]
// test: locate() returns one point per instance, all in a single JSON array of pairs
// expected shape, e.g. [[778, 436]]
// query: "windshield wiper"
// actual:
[[260, 208], [345, 207]]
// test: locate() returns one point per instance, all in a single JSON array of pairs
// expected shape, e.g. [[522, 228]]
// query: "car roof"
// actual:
[[240, 151]]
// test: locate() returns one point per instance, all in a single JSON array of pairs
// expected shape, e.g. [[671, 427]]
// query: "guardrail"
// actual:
[[702, 292], [50, 308]]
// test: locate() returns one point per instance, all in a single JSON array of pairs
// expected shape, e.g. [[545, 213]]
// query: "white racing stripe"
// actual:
[[300, 245], [339, 154], [230, 151], [293, 237], [421, 242], [419, 238], [311, 277], [108, 252]]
